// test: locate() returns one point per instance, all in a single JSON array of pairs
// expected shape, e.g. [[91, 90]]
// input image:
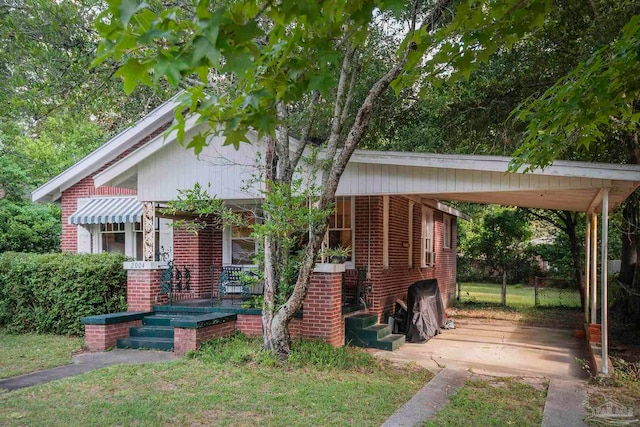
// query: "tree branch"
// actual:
[[334, 136], [304, 138]]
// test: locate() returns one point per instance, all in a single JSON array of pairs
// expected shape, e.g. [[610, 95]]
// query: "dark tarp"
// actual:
[[425, 311]]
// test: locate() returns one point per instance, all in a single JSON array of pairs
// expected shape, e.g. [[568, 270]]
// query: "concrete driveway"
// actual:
[[498, 347]]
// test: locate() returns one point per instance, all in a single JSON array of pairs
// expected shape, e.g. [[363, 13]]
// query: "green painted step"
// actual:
[[165, 344], [360, 321], [157, 321], [390, 342], [151, 331], [374, 332]]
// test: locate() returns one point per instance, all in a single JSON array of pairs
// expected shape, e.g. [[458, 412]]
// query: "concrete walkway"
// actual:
[[429, 399], [497, 348], [86, 362], [565, 404]]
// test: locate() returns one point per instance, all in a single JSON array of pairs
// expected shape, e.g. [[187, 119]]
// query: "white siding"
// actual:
[[173, 167], [227, 173], [370, 179]]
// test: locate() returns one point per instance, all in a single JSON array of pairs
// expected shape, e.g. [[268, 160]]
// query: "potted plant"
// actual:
[[337, 255]]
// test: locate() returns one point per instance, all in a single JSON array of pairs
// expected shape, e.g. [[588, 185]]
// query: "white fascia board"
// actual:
[[438, 205], [125, 168], [106, 152], [497, 164]]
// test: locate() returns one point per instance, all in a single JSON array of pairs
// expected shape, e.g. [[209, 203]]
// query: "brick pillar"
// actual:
[[322, 312], [198, 252], [595, 332], [143, 285]]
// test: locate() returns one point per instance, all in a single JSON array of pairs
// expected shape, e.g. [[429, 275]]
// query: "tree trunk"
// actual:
[[339, 150], [269, 250]]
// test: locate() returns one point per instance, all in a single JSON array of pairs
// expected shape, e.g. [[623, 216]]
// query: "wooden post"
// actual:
[[587, 267], [535, 290], [594, 268], [604, 278]]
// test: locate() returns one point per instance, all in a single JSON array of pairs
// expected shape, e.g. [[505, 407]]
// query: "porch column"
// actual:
[[587, 267], [148, 231], [594, 268], [322, 310], [604, 279]]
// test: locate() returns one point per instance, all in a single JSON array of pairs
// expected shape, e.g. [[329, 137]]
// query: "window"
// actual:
[[446, 232], [243, 245], [137, 228], [340, 232], [428, 256], [113, 237]]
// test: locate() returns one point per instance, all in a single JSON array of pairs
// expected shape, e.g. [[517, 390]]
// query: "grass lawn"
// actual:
[[518, 295], [493, 402], [229, 382], [21, 354], [547, 317]]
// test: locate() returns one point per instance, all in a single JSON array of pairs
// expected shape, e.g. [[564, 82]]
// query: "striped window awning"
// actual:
[[108, 210]]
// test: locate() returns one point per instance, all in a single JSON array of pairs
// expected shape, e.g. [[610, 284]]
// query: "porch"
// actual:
[[181, 326]]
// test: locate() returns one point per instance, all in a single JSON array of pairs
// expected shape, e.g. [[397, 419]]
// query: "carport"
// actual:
[[593, 188]]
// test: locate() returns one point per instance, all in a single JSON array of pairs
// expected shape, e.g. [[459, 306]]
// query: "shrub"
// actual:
[[49, 293]]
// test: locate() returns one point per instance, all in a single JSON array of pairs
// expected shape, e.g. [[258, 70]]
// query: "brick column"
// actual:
[[322, 311], [143, 285]]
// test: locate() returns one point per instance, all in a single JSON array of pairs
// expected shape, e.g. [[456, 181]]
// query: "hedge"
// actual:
[[49, 293]]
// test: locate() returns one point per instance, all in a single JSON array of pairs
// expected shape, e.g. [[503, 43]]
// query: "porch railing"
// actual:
[[175, 279]]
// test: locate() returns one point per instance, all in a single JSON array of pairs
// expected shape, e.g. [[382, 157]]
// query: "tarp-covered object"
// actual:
[[425, 311]]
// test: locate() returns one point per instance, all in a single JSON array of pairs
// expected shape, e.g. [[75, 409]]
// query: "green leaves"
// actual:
[[601, 93], [262, 54], [125, 9], [133, 72]]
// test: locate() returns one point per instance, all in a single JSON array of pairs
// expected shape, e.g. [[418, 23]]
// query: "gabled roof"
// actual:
[[116, 146]]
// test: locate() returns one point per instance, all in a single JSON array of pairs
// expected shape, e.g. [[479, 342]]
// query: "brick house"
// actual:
[[388, 212]]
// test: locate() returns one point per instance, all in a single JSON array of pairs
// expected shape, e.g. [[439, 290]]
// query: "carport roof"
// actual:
[[564, 185]]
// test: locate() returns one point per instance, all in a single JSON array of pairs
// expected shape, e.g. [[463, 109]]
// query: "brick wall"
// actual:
[[389, 284], [251, 324], [143, 290], [103, 337], [86, 188], [187, 339]]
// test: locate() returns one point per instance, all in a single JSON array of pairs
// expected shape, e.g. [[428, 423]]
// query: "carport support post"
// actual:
[[594, 268], [604, 282], [587, 267]]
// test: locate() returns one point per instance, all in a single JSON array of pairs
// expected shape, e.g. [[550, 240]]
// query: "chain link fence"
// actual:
[[540, 292]]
